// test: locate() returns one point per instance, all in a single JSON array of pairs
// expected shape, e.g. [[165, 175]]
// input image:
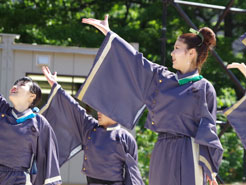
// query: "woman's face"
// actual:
[[20, 93], [182, 57]]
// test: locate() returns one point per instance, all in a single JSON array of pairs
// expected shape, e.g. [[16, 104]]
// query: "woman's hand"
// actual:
[[50, 78], [241, 67], [101, 25], [212, 182]]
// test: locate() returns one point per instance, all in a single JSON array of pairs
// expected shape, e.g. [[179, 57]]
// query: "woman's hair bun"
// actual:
[[209, 37]]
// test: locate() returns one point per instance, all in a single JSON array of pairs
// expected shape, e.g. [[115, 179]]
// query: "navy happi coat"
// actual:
[[109, 153], [236, 117], [28, 148]]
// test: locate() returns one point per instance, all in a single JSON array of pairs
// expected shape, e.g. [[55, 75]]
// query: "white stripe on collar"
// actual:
[[26, 114], [113, 128]]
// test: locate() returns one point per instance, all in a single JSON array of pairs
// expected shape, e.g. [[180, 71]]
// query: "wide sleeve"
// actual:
[[236, 117], [48, 171], [69, 121], [4, 105], [132, 173], [210, 148], [119, 81]]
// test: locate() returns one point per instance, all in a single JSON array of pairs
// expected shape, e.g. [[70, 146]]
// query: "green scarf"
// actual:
[[190, 79]]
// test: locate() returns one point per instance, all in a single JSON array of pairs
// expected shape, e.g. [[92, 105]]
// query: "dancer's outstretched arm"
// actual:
[[240, 66], [101, 25], [52, 79]]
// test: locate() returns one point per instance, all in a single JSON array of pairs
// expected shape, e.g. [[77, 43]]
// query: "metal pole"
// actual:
[[202, 5], [244, 166], [223, 15], [239, 87], [164, 29], [224, 128], [184, 15]]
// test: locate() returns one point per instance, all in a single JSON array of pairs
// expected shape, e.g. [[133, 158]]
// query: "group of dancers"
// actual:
[[121, 84]]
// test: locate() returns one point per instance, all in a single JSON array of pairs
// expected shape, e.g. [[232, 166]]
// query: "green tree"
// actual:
[[58, 22]]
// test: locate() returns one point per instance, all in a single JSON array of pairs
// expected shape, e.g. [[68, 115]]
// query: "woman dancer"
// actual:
[[181, 106]]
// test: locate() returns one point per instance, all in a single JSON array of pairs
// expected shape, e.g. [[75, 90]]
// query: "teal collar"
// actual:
[[189, 77], [21, 117]]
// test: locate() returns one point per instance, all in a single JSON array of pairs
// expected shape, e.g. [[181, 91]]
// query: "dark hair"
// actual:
[[202, 45], [34, 89]]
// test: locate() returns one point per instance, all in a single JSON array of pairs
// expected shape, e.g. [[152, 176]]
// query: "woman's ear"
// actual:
[[32, 97], [192, 52]]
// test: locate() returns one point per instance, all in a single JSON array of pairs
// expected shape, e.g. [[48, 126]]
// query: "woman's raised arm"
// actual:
[[240, 66], [101, 25]]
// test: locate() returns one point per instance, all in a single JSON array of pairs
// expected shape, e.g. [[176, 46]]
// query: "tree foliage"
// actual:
[[58, 22]]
